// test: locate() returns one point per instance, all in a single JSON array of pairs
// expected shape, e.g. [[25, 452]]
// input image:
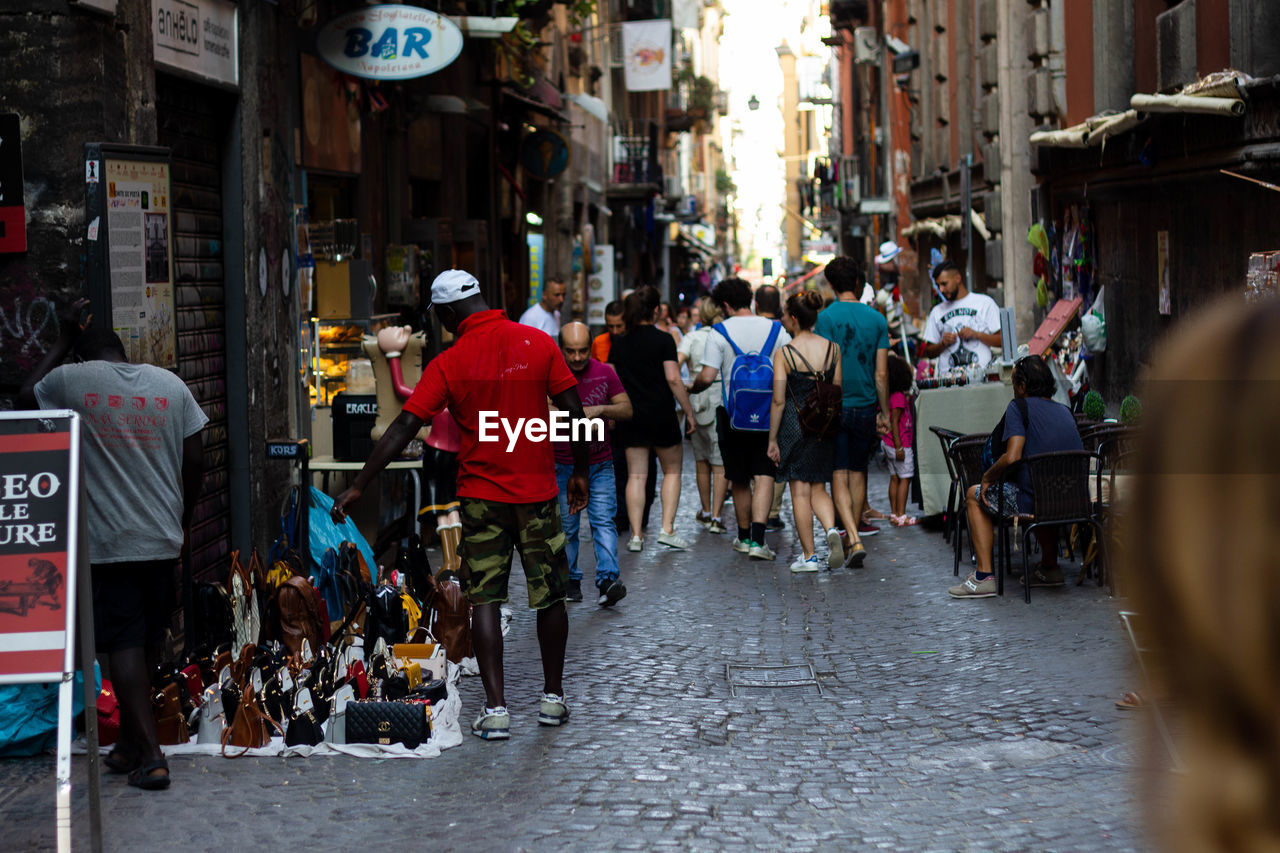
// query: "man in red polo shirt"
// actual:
[[495, 380]]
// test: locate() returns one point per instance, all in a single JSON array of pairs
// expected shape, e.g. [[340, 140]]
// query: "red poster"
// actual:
[[36, 533]]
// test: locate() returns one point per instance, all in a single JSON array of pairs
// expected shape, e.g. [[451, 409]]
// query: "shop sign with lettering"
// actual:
[[198, 37], [389, 42]]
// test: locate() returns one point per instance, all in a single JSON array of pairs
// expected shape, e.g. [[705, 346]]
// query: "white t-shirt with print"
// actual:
[[975, 310]]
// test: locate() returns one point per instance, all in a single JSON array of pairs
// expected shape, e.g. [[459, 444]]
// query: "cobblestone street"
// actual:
[[941, 725]]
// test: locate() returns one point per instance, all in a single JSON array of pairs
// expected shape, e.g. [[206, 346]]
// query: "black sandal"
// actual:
[[140, 777], [121, 760]]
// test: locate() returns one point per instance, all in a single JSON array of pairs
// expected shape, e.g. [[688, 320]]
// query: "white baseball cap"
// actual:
[[888, 251], [453, 286]]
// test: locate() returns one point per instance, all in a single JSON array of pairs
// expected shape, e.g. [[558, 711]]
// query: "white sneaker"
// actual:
[[636, 544], [803, 564], [835, 549], [761, 552], [742, 546], [671, 540]]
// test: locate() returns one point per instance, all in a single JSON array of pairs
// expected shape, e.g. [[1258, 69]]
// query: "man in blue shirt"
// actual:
[[862, 334]]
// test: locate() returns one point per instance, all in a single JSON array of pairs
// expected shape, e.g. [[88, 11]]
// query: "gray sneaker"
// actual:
[[760, 551], [742, 546], [553, 710], [835, 549], [493, 724], [974, 588], [1041, 576]]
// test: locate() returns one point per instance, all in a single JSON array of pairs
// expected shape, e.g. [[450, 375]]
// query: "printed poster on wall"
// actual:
[[646, 51], [140, 259]]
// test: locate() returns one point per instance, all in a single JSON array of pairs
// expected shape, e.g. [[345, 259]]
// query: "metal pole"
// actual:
[[966, 204], [84, 595]]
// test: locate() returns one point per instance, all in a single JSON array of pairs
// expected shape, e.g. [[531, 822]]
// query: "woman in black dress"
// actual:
[[645, 359], [803, 460]]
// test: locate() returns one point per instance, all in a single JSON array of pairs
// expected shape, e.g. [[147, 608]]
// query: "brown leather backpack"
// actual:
[[251, 728], [451, 624], [299, 616], [819, 412]]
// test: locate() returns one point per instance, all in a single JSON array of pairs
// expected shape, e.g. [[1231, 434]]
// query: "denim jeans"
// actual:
[[601, 506]]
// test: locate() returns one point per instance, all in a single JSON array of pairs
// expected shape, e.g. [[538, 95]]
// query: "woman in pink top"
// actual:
[[440, 474], [898, 441]]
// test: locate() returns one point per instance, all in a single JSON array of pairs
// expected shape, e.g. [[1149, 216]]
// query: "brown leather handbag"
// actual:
[[295, 602], [451, 624], [171, 725], [251, 728]]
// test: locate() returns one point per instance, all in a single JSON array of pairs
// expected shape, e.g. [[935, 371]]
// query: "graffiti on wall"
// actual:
[[28, 327]]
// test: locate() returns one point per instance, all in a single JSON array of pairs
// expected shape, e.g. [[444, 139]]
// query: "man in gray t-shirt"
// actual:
[[143, 465]]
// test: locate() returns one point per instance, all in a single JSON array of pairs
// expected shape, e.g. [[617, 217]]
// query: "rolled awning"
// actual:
[[1188, 104]]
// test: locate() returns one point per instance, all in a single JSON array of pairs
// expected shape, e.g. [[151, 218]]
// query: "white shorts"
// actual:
[[706, 445], [904, 469]]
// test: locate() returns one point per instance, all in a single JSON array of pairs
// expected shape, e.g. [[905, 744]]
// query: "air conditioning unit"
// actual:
[[616, 57], [1040, 100], [1039, 41], [866, 45]]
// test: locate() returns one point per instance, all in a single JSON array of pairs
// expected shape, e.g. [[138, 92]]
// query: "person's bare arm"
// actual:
[[388, 448], [991, 339], [882, 387], [577, 487], [703, 380], [672, 373], [69, 328], [928, 350], [778, 403], [617, 409]]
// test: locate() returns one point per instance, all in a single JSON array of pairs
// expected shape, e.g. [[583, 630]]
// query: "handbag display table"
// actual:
[[965, 409]]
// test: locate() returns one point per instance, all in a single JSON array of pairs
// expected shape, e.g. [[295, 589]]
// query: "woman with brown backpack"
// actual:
[[803, 421]]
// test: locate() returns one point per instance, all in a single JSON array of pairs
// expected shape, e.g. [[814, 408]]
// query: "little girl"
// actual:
[[898, 441]]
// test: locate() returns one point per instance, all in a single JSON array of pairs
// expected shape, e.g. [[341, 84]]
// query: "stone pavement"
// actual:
[[941, 725]]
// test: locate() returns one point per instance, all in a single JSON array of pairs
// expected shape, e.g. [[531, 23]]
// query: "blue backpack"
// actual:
[[748, 389]]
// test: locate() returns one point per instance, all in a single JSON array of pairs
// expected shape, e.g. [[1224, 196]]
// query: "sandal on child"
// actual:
[[907, 521], [1130, 701], [141, 777]]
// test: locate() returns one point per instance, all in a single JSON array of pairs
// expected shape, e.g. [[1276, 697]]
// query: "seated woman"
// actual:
[[1047, 427]]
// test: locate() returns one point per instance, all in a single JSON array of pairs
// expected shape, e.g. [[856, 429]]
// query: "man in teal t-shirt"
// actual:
[[862, 334]]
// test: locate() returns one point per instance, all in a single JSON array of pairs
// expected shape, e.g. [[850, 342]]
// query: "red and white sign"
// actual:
[[39, 488]]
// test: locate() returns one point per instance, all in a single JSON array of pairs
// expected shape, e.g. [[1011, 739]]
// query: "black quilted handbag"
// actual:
[[387, 723]]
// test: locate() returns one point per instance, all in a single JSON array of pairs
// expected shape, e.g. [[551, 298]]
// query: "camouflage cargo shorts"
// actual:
[[492, 531]]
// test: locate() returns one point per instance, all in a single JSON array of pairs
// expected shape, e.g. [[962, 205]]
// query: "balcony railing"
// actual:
[[633, 162]]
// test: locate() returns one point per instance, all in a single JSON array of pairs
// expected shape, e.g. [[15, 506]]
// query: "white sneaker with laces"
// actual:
[[553, 710], [636, 544], [671, 540], [762, 552], [492, 724], [805, 564]]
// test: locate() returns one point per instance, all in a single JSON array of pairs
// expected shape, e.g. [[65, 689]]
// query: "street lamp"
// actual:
[[753, 104]]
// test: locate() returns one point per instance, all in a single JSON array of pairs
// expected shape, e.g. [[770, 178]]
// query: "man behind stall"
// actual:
[[143, 468], [497, 370]]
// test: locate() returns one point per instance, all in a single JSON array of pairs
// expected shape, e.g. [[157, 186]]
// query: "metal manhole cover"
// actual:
[[772, 677]]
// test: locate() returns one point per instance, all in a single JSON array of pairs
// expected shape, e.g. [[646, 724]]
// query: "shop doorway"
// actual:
[[192, 122]]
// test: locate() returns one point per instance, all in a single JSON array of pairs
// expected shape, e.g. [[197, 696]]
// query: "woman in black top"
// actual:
[[645, 359]]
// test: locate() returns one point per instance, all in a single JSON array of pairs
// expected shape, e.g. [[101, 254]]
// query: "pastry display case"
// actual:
[[338, 361]]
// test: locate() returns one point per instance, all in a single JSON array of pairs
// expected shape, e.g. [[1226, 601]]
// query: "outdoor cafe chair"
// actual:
[[946, 437], [1061, 498], [965, 457]]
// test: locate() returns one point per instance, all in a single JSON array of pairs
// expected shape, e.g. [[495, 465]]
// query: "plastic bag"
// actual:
[[325, 534], [1093, 325]]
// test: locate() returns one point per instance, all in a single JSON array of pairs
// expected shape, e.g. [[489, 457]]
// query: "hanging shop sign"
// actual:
[[13, 207], [200, 38], [389, 42], [646, 51], [544, 154], [130, 257]]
